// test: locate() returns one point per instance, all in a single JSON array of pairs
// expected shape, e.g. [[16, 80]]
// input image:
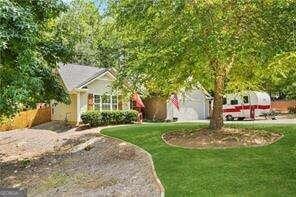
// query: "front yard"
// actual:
[[53, 160], [257, 171]]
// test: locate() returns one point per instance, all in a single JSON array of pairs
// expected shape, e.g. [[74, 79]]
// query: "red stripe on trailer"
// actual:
[[264, 106], [244, 107], [231, 110]]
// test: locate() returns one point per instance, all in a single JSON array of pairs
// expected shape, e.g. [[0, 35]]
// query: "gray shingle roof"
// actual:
[[75, 75]]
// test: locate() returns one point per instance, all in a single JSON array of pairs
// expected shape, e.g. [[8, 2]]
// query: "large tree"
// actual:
[[224, 45], [29, 53], [84, 30], [79, 27]]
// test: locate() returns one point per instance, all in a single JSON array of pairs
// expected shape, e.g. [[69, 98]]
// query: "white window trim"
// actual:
[[110, 97], [94, 103], [101, 103], [112, 102]]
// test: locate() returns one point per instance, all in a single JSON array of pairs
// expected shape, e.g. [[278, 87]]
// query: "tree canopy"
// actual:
[[224, 45], [85, 31], [79, 27], [160, 46], [29, 52], [281, 78]]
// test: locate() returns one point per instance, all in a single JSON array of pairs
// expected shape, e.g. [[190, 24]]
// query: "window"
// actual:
[[234, 102], [97, 102], [246, 99], [114, 102], [105, 102], [224, 101]]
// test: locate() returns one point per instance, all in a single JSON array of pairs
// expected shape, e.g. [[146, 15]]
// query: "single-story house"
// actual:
[[89, 88], [194, 104]]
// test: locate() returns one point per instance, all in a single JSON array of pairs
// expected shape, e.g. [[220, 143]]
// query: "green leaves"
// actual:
[[166, 43], [80, 30], [280, 75], [98, 118], [28, 55]]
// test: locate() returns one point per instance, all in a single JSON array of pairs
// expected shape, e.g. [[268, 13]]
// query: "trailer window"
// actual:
[[246, 99], [234, 102], [224, 101]]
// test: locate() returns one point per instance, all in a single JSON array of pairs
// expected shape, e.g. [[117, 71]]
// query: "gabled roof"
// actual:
[[75, 75]]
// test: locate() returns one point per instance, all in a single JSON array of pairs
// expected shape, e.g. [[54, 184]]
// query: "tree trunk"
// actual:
[[216, 122]]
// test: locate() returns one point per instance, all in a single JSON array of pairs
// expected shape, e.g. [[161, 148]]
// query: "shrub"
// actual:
[[98, 118], [292, 109]]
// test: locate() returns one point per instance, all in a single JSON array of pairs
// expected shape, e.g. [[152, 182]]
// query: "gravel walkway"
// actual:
[[101, 170], [28, 143], [107, 167]]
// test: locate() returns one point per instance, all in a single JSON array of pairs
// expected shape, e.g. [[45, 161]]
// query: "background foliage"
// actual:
[[85, 31], [169, 45], [29, 52], [159, 47]]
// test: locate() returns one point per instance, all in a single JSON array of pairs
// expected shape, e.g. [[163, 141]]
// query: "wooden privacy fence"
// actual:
[[282, 105], [155, 108], [28, 119]]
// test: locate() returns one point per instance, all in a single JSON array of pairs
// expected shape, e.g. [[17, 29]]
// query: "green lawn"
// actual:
[[260, 171]]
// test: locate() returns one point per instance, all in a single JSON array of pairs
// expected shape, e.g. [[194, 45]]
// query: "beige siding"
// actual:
[[100, 87], [60, 111]]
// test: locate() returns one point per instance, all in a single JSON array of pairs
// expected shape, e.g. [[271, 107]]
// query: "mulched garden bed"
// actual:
[[226, 137]]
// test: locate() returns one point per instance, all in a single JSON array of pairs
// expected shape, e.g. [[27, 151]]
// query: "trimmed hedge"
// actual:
[[98, 118]]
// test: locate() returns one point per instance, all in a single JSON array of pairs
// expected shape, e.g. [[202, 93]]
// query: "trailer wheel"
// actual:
[[241, 118], [229, 118]]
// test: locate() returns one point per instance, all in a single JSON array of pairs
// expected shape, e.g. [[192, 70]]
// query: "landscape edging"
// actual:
[[214, 148]]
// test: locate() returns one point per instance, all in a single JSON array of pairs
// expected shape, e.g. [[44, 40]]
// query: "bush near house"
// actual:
[[98, 118]]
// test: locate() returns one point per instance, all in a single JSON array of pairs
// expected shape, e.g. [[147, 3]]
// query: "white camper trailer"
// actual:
[[249, 104]]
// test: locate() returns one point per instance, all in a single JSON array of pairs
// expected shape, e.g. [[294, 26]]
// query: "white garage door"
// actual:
[[188, 111]]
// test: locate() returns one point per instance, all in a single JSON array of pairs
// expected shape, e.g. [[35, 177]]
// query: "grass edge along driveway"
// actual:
[[256, 171]]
